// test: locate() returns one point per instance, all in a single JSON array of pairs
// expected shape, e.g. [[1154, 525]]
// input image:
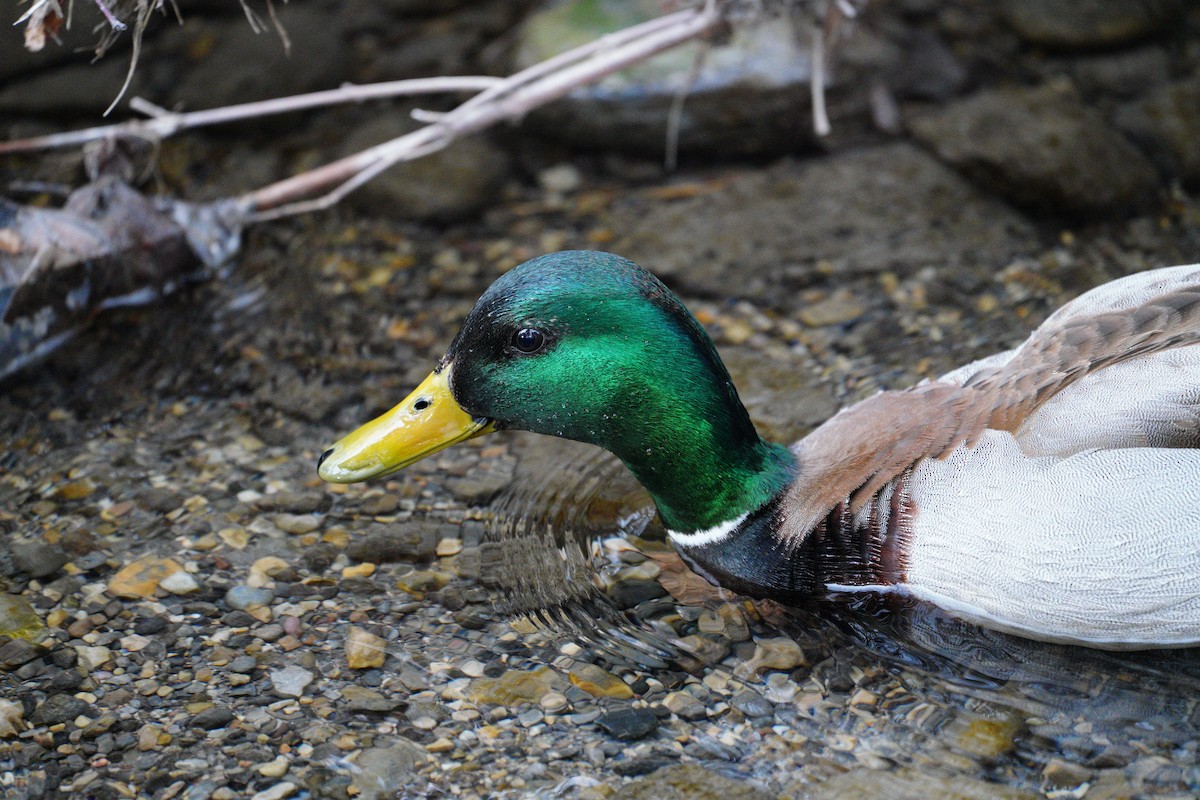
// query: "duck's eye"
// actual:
[[528, 340]]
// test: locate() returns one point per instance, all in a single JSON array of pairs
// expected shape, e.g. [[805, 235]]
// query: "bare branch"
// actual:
[[106, 226], [820, 116], [512, 99], [675, 115], [497, 99], [167, 123], [113, 22]]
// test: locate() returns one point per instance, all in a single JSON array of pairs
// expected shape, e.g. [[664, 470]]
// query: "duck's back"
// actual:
[[1076, 517]]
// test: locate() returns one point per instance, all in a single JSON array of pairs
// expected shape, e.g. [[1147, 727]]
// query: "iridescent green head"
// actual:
[[591, 347]]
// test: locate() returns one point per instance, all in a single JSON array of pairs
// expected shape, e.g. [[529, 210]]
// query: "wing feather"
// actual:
[[865, 447]]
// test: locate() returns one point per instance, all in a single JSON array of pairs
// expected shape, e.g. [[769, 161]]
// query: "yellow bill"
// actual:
[[428, 420]]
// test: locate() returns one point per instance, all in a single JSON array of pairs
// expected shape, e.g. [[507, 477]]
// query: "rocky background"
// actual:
[[190, 613]]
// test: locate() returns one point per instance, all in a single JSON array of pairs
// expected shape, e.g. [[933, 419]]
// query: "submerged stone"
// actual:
[[212, 718], [11, 719], [18, 620], [58, 708], [690, 782], [629, 723], [38, 559], [909, 784], [516, 686], [241, 597], [291, 680], [598, 682], [364, 649], [360, 698], [983, 738], [780, 653], [142, 578], [385, 772]]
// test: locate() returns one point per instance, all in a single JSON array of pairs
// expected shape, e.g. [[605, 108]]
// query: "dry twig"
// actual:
[[510, 99], [58, 268], [498, 99]]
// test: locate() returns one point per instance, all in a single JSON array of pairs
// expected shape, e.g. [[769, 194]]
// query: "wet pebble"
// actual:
[[752, 704], [38, 559], [291, 680], [271, 632], [627, 594], [473, 668], [11, 718], [598, 682], [360, 698], [642, 765], [380, 504], [449, 547], [1088, 24], [779, 653], [18, 619], [628, 724], [179, 583], [691, 782], [414, 542], [92, 658], [297, 523], [277, 792], [241, 597], [840, 308], [553, 702], [422, 581], [201, 791], [707, 649], [264, 570], [983, 737], [480, 485], [685, 706], [1060, 774], [243, 664], [141, 578], [212, 718], [294, 501], [780, 688], [364, 649], [386, 772], [515, 686], [58, 708], [149, 626], [160, 499]]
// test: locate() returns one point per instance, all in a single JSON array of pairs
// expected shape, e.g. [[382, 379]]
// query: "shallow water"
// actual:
[[900, 682]]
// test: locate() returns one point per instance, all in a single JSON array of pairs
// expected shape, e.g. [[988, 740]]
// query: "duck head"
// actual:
[[587, 346]]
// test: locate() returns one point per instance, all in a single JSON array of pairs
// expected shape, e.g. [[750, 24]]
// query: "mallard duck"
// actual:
[[1052, 490]]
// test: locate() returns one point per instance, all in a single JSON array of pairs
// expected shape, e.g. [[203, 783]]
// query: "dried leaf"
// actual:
[[42, 21]]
